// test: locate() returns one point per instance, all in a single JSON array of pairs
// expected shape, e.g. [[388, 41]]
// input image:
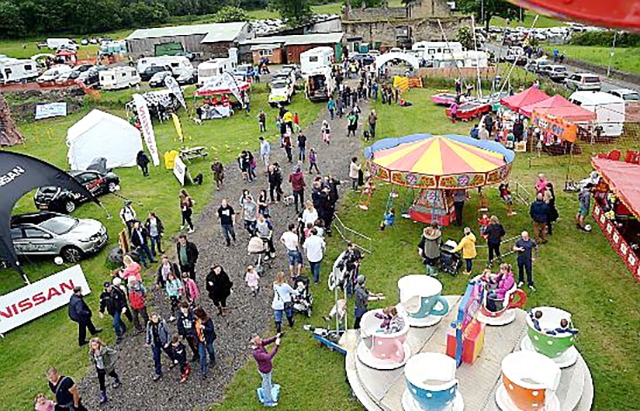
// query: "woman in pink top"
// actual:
[[541, 184], [190, 289], [131, 269], [505, 284]]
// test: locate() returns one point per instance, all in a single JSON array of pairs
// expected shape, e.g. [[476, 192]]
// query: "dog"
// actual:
[[288, 200], [197, 121]]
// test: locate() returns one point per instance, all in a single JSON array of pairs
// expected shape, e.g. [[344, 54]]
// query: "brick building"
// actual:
[[287, 49]]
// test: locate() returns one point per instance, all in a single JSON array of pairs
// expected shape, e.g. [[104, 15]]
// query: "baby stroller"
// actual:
[[303, 302], [450, 262], [259, 248], [329, 336]]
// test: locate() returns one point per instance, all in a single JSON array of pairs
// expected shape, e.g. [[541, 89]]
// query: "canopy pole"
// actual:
[[444, 35], [475, 47], [515, 61]]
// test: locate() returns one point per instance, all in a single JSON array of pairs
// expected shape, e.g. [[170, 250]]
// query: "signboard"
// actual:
[[173, 86], [46, 110], [147, 128], [39, 298], [179, 170], [555, 125]]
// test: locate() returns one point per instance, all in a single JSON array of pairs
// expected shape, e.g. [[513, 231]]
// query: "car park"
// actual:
[[555, 72], [625, 94], [66, 201], [158, 79], [53, 234], [583, 82], [147, 73], [281, 92]]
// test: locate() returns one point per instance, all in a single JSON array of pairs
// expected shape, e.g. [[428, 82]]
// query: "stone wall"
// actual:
[[378, 13], [430, 8]]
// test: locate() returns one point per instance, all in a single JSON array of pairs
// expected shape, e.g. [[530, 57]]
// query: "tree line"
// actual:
[[29, 18]]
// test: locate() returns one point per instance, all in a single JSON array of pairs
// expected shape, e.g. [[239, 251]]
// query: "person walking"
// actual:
[[227, 217], [142, 160], [249, 212], [539, 212], [313, 161], [138, 303], [310, 214], [373, 119], [264, 359], [352, 123], [429, 247], [218, 174], [264, 230], [291, 242], [186, 328], [524, 247], [286, 144], [550, 198], [315, 247], [186, 209], [155, 230], [468, 247], [459, 196], [265, 152], [175, 290], [65, 390], [114, 301], [140, 240], [296, 178], [206, 335], [218, 286], [275, 183], [128, 215], [282, 301], [331, 106], [302, 146], [104, 360], [164, 269], [131, 269], [584, 197], [252, 279], [325, 130], [244, 164], [79, 312], [187, 255], [362, 297], [190, 289], [494, 232], [262, 121], [158, 337], [179, 354], [354, 173]]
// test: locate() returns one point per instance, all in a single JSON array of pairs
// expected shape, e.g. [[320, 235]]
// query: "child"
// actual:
[[174, 291], [313, 160], [307, 230], [251, 278], [190, 288], [326, 132], [179, 353], [42, 403], [535, 319], [389, 219], [484, 223], [505, 194]]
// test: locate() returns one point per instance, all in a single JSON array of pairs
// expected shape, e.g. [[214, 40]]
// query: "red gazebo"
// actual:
[[527, 97], [559, 107]]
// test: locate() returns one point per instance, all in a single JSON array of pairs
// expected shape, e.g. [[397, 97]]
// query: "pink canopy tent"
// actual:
[[530, 96], [559, 107]]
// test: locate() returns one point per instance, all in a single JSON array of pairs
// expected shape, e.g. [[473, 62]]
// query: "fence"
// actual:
[[351, 236]]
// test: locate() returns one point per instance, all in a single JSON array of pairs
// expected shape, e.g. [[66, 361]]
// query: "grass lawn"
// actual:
[[624, 59], [543, 21], [576, 271], [35, 346]]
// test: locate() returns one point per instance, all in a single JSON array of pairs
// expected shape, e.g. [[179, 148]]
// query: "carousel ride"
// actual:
[[435, 166]]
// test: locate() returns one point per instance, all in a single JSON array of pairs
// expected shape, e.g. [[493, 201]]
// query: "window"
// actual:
[[124, 74], [175, 64], [35, 233], [16, 233], [313, 59], [28, 67], [266, 53]]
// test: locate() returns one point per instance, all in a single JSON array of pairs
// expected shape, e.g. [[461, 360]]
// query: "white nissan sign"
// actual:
[[40, 298]]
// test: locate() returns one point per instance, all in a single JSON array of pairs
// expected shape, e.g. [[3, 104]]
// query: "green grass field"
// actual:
[[29, 350], [624, 59], [543, 21]]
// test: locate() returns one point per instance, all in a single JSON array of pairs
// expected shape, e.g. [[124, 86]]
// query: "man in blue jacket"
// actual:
[[539, 213], [80, 313]]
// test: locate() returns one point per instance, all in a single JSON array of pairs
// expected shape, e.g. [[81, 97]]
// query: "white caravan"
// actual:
[[218, 66], [17, 70], [119, 78], [435, 49], [315, 59], [320, 85], [179, 64], [609, 109]]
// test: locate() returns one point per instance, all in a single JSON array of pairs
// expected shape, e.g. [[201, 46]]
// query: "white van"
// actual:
[[609, 109], [53, 73], [178, 64], [14, 70], [320, 85], [315, 59], [119, 78], [56, 43], [216, 67]]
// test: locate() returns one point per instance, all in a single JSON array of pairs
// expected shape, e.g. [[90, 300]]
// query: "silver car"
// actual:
[[53, 234]]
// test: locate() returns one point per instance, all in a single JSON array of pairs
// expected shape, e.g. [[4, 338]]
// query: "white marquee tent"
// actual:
[[100, 134]]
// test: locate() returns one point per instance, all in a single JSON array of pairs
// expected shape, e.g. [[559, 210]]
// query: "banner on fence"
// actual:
[[39, 298], [46, 110], [556, 126], [147, 127]]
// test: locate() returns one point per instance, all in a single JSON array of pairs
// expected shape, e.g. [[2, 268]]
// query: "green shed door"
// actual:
[[338, 52], [168, 49]]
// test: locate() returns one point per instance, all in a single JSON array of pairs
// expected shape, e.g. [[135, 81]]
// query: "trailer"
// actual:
[[320, 85], [17, 70], [315, 59], [119, 78], [469, 111]]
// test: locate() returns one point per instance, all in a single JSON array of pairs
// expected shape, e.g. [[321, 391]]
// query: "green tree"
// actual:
[[11, 23], [228, 14], [490, 9], [465, 37], [294, 11]]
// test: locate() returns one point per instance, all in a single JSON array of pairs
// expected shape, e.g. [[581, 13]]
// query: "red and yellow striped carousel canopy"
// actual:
[[439, 161]]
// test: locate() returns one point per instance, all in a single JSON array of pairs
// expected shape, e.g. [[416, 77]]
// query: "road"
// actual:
[[607, 83]]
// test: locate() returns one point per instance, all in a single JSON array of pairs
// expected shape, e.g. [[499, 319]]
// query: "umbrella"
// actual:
[[425, 161]]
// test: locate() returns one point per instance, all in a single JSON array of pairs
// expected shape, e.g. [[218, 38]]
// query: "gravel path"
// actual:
[[247, 315]]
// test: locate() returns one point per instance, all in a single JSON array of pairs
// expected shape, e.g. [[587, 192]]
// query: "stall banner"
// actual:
[[555, 125], [233, 87], [179, 170], [173, 86], [39, 298], [147, 127], [177, 125], [46, 110]]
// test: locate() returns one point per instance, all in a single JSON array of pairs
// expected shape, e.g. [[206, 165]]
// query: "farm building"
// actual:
[[287, 49], [208, 40]]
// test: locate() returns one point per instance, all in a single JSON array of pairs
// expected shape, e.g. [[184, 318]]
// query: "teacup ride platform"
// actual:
[[478, 383]]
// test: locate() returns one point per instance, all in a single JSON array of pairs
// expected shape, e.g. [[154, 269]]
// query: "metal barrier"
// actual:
[[502, 254], [349, 235], [522, 194]]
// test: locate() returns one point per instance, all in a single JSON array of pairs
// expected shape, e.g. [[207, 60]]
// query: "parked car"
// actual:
[[53, 73], [287, 75], [536, 66], [53, 234], [625, 94], [243, 72], [89, 78], [66, 201], [186, 54], [188, 77], [68, 77], [158, 79], [366, 59], [555, 72], [281, 92], [583, 82], [83, 67], [149, 72]]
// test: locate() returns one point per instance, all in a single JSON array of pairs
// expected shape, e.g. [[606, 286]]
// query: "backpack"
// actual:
[[137, 299]]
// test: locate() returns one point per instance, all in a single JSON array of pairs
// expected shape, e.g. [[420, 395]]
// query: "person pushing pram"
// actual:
[[346, 269]]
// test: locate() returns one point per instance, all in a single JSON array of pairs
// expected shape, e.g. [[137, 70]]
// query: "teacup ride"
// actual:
[[431, 384], [529, 383], [559, 347], [380, 350], [420, 295], [496, 311]]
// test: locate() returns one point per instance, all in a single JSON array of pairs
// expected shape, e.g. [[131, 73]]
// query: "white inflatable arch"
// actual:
[[387, 57]]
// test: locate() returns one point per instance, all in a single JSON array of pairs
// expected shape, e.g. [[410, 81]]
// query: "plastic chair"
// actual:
[[632, 157], [615, 155], [603, 155]]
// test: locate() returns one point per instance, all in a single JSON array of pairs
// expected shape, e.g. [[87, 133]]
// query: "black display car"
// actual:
[[65, 201], [147, 73]]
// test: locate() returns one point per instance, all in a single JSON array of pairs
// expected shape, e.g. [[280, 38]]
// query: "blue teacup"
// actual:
[[420, 295], [431, 380]]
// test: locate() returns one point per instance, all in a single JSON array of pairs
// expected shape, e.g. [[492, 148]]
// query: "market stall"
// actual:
[[553, 133], [617, 209], [525, 98], [217, 92]]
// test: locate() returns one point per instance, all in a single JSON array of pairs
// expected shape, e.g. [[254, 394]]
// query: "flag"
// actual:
[[147, 127]]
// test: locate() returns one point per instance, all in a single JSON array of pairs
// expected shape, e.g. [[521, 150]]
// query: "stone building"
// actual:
[[385, 27]]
